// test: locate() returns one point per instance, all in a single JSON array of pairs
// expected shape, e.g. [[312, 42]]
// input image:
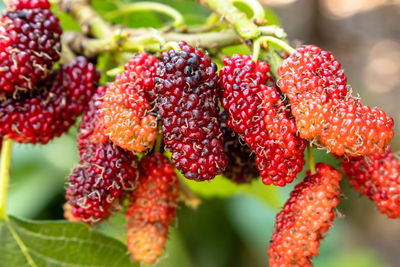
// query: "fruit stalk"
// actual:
[[5, 174]]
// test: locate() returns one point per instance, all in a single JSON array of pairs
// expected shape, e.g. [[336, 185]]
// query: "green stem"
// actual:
[[5, 175], [144, 6], [258, 10], [311, 162], [282, 44], [157, 147], [225, 9]]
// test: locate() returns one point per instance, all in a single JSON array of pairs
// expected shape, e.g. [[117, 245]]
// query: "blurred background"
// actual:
[[232, 227]]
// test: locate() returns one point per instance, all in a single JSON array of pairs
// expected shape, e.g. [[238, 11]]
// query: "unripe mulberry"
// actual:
[[27, 4], [242, 167], [105, 172], [257, 113], [29, 47], [152, 209], [52, 108], [325, 111], [304, 219], [378, 177], [187, 86], [126, 109]]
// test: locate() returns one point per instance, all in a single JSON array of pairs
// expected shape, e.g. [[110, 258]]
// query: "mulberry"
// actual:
[[27, 4], [152, 209], [325, 111], [378, 177], [29, 46], [126, 109], [257, 113], [103, 175], [52, 108], [306, 216], [242, 167], [188, 87]]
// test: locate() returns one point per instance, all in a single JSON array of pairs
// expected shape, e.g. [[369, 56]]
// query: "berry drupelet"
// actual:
[[29, 47], [305, 217], [152, 209], [27, 4], [52, 108], [257, 113], [376, 176], [187, 86], [242, 167], [324, 109], [126, 108]]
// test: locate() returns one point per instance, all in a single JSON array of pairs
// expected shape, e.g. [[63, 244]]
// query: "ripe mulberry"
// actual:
[[91, 129], [188, 87], [242, 167], [27, 4], [325, 111], [126, 109], [103, 175], [304, 219], [29, 46], [152, 209], [378, 177], [257, 113], [52, 108]]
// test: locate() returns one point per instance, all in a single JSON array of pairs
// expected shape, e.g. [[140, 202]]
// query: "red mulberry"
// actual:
[[125, 109], [304, 219], [378, 177], [257, 113], [324, 110], [242, 167], [187, 87], [29, 46], [27, 4], [152, 209], [104, 174], [52, 108]]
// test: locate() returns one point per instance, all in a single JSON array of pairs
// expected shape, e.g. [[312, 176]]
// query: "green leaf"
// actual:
[[57, 243]]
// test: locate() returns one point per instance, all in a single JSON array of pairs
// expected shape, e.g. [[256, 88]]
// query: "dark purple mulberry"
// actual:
[[187, 85]]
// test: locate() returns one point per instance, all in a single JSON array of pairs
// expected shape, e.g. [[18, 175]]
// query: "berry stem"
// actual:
[[5, 175], [311, 162], [282, 44], [258, 10], [157, 147], [145, 6], [233, 16]]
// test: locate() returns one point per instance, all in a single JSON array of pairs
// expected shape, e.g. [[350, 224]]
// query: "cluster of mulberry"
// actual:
[[257, 113], [152, 209], [187, 86], [325, 111], [305, 217], [39, 115], [29, 45], [259, 132], [126, 108], [376, 176]]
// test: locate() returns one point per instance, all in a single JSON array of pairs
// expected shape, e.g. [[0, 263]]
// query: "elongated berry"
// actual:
[[52, 108], [95, 186], [242, 167], [325, 111], [376, 176], [126, 112], [152, 209], [29, 46], [187, 86], [257, 113], [305, 217]]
